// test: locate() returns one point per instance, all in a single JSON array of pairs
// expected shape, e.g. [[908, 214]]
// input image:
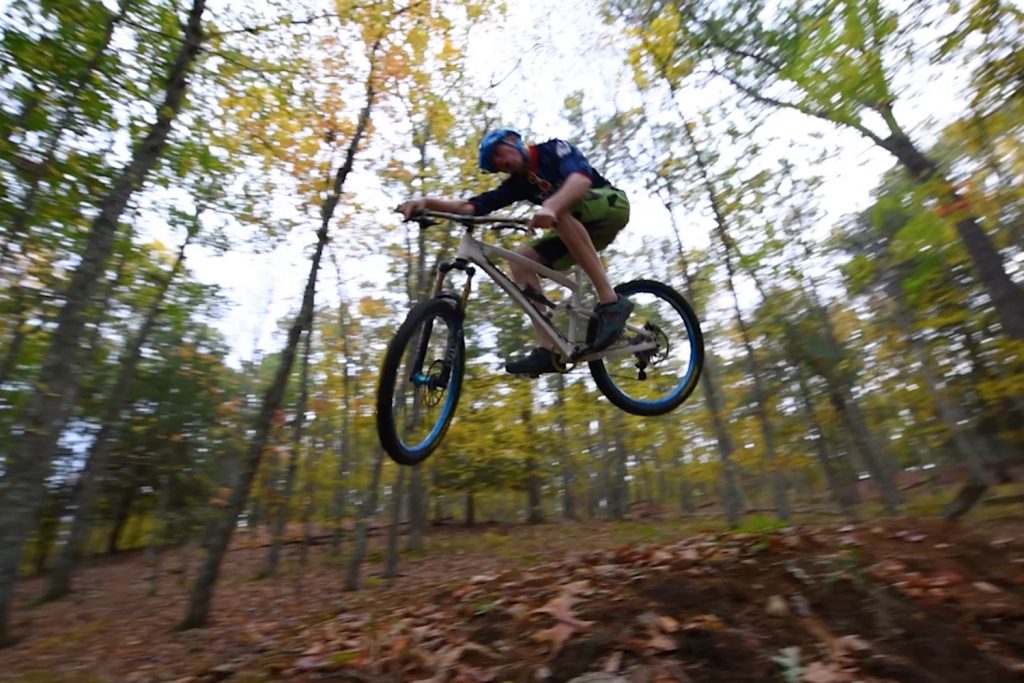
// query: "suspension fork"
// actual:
[[459, 302], [445, 267]]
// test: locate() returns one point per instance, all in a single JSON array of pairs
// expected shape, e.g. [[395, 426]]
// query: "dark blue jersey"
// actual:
[[549, 164]]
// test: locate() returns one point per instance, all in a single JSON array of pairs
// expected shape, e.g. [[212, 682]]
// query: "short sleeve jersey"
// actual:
[[549, 164]]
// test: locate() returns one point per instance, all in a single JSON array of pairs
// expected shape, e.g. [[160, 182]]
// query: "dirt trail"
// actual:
[[904, 600]]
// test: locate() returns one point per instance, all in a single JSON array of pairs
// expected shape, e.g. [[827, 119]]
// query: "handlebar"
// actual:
[[497, 220], [474, 220]]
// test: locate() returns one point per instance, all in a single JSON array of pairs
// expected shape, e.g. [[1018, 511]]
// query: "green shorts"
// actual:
[[603, 212]]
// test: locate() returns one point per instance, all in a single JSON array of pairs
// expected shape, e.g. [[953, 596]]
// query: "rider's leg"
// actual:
[[523, 276], [613, 310], [540, 360], [577, 240]]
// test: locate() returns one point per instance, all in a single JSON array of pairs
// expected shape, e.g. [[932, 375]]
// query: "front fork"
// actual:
[[443, 269], [429, 380]]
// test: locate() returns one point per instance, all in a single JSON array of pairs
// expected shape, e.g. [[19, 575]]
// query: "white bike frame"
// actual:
[[572, 344]]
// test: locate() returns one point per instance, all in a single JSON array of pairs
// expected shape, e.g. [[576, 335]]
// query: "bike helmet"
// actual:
[[498, 137]]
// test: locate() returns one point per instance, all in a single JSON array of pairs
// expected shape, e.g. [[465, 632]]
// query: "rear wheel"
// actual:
[[658, 378], [420, 381]]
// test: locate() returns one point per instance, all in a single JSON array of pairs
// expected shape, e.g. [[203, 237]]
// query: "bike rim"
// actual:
[[655, 379], [425, 394]]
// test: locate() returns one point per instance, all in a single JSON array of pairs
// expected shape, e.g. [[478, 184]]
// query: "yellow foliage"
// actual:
[[417, 39], [372, 308]]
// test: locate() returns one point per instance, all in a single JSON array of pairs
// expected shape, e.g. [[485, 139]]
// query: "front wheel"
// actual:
[[656, 363], [420, 381]]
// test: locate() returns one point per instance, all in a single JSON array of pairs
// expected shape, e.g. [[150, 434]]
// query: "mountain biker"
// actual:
[[583, 210]]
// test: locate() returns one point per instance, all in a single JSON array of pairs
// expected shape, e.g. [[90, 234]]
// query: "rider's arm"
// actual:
[[573, 189], [459, 206], [578, 174], [412, 207], [512, 189]]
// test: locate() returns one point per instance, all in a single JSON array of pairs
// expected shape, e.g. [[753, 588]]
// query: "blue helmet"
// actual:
[[498, 137]]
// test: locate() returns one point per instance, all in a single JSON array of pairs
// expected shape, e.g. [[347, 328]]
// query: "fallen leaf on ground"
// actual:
[[943, 578], [986, 587], [560, 608], [819, 672], [662, 643], [556, 636], [613, 663], [777, 607], [668, 624], [704, 622]]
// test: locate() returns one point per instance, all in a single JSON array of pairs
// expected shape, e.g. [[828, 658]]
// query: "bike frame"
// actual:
[[571, 345]]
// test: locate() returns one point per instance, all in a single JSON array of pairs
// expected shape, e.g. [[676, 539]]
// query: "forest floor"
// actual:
[[913, 600]]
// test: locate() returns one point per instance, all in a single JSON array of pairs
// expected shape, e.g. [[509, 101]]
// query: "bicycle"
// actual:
[[651, 370]]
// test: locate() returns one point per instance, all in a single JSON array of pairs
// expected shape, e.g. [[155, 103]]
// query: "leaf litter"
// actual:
[[872, 603]]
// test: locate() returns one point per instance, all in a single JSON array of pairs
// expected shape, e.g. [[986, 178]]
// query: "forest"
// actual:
[[201, 268]]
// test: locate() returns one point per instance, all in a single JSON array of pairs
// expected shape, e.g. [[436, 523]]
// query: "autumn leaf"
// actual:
[[660, 642], [556, 636], [560, 608], [818, 672], [668, 624], [704, 622], [613, 663]]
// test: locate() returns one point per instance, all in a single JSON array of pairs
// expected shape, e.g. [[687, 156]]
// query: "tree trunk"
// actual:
[[760, 395], [99, 451], [220, 530], [280, 521], [470, 509], [29, 462], [619, 486], [199, 603], [344, 445], [686, 497], [950, 413], [395, 528], [732, 494], [121, 516], [862, 440], [596, 486], [355, 560], [47, 530], [309, 491], [568, 496], [565, 459], [839, 493], [417, 509], [875, 455], [158, 535], [1006, 295], [967, 498], [534, 505], [605, 477]]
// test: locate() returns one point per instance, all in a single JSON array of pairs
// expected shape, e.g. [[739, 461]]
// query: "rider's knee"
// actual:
[[529, 252]]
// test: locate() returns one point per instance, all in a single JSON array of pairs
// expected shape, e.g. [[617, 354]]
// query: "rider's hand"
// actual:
[[543, 218], [412, 207]]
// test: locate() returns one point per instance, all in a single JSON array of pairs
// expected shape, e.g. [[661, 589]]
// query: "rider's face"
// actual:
[[507, 159]]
